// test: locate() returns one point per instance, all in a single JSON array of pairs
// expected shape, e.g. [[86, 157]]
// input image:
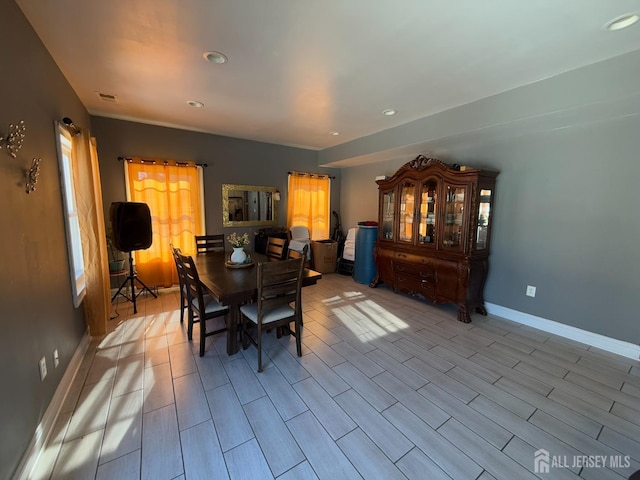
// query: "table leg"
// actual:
[[233, 319]]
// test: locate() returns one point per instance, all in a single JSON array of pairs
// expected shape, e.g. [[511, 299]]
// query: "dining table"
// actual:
[[233, 285]]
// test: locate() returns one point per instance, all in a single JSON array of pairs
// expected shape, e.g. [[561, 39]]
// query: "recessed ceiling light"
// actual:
[[215, 57], [195, 104], [334, 133], [623, 21], [389, 111]]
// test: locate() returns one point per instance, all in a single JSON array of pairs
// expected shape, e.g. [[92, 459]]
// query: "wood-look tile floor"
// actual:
[[388, 387]]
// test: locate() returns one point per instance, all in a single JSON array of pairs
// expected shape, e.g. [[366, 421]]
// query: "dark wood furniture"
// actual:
[[233, 287], [277, 248], [294, 255], [182, 280], [209, 243], [278, 303], [201, 307], [434, 233], [261, 237]]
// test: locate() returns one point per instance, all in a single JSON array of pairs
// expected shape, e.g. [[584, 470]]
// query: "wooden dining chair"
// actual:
[[279, 287], [277, 248], [294, 255], [209, 243], [202, 306], [184, 294]]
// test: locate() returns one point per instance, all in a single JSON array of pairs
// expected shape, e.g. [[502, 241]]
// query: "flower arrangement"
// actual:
[[238, 241]]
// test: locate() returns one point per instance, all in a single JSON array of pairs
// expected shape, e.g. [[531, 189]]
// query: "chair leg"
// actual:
[[298, 324], [259, 345], [203, 335], [190, 325]]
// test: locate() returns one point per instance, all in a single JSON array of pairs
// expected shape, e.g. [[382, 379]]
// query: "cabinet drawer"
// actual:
[[422, 271], [412, 258], [415, 285]]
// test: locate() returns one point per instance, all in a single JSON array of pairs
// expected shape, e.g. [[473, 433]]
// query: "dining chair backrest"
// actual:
[[279, 283], [184, 296], [192, 280], [179, 268], [209, 243], [294, 254], [276, 248]]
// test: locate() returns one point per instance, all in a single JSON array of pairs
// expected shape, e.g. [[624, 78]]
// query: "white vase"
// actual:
[[238, 255]]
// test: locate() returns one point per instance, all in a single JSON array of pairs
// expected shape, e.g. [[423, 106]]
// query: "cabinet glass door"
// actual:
[[407, 211], [453, 216], [484, 217], [428, 212], [388, 214]]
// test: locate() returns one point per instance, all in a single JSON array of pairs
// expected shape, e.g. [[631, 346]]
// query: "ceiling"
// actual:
[[299, 69]]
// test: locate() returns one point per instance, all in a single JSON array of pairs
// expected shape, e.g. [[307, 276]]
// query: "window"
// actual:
[[308, 203], [71, 219]]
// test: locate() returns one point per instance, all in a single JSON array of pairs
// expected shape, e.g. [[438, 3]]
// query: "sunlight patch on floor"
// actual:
[[352, 295], [382, 316], [332, 300], [112, 339], [365, 318]]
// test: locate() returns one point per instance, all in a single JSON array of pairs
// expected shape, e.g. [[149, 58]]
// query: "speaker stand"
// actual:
[[132, 278]]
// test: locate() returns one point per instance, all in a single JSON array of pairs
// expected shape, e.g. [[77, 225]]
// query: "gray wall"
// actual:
[[36, 310], [229, 160], [565, 215]]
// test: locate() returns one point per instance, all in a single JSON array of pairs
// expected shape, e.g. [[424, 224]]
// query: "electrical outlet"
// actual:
[[43, 368], [531, 291], [56, 358]]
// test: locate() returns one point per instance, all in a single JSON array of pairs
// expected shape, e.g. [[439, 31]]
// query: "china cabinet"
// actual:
[[435, 229]]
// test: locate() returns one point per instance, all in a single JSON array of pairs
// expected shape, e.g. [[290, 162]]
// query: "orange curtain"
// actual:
[[173, 194], [308, 203]]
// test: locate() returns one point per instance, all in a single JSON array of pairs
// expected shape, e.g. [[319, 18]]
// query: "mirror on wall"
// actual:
[[248, 206]]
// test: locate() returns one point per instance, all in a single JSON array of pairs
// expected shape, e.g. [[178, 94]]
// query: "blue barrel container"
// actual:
[[364, 268]]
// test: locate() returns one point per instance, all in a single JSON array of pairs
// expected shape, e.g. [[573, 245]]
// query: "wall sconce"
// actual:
[[276, 196], [15, 137], [32, 175], [73, 129]]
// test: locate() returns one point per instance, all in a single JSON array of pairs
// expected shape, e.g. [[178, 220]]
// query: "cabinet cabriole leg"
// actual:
[[463, 314]]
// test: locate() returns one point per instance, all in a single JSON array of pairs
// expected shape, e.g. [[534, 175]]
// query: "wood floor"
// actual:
[[387, 387]]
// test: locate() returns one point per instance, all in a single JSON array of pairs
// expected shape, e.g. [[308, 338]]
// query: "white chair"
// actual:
[[300, 238]]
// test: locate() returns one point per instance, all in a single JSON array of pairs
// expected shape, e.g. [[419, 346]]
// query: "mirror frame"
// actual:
[[226, 188]]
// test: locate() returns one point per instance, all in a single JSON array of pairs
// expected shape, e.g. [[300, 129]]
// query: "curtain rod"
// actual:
[[304, 174], [165, 162]]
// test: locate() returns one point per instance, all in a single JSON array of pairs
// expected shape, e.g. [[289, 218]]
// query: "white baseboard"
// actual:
[[609, 344], [45, 427]]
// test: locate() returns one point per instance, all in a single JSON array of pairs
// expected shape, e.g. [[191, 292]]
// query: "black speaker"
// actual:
[[131, 224]]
